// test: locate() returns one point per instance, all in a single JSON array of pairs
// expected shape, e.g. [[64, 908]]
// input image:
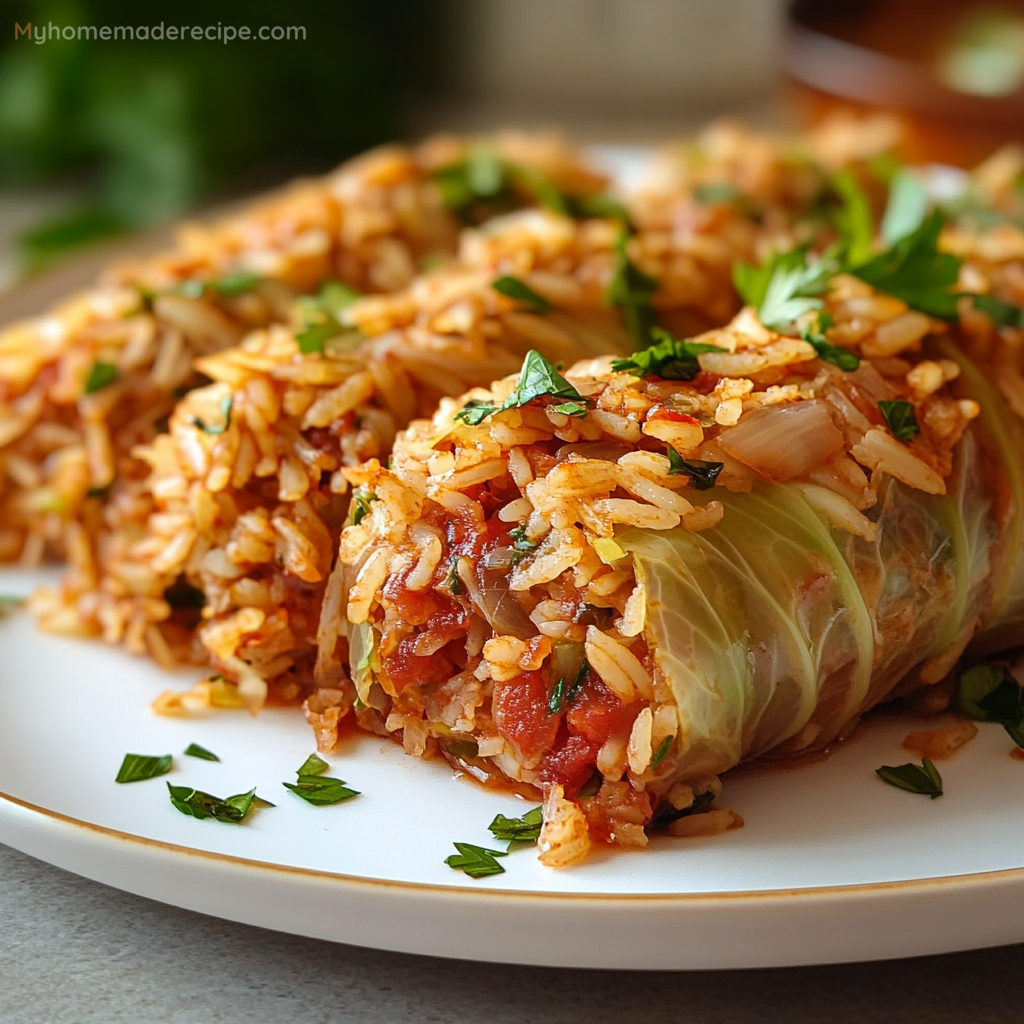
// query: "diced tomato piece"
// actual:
[[572, 765], [520, 712], [416, 607], [596, 711], [406, 668]]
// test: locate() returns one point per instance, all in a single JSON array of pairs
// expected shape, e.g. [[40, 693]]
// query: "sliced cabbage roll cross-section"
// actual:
[[225, 561], [725, 548]]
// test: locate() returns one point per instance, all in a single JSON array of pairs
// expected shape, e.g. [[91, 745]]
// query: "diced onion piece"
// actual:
[[784, 441]]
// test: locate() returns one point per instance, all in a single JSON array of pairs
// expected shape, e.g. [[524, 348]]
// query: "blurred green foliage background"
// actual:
[[140, 130]]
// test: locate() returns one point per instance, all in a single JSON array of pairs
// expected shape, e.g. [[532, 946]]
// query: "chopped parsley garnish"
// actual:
[[196, 804], [666, 813], [715, 193], [702, 474], [923, 778], [835, 354], [907, 207], [475, 861], [194, 750], [597, 205], [452, 581], [138, 767], [565, 691], [538, 378], [361, 505], [1005, 314], [521, 544], [313, 765], [989, 693], [317, 789], [321, 316], [630, 291], [663, 748], [484, 184], [519, 832], [900, 417], [229, 284], [853, 218], [100, 376], [786, 287], [669, 358], [225, 406], [513, 288], [914, 270]]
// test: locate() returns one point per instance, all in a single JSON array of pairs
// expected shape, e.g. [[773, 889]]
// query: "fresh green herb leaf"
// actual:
[[907, 207], [914, 270], [100, 492], [631, 291], [835, 354], [475, 861], [100, 376], [452, 581], [565, 691], [138, 767], [668, 358], [521, 544], [313, 338], [229, 284], [313, 765], [853, 218], [923, 778], [716, 193], [335, 296], [538, 378], [518, 832], [321, 315], [196, 804], [702, 474], [598, 206], [1005, 314], [663, 748], [514, 288], [666, 813], [317, 789], [474, 412], [361, 505], [790, 290], [784, 287], [989, 693], [226, 404], [570, 409], [900, 417], [236, 283], [320, 791], [539, 185], [591, 787], [194, 750], [9, 604], [258, 801]]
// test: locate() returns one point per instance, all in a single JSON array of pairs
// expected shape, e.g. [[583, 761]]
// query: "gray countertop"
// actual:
[[75, 951]]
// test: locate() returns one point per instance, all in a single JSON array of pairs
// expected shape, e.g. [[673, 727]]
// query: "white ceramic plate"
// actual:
[[832, 864]]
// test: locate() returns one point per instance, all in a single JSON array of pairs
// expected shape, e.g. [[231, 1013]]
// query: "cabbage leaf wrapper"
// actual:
[[775, 632]]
